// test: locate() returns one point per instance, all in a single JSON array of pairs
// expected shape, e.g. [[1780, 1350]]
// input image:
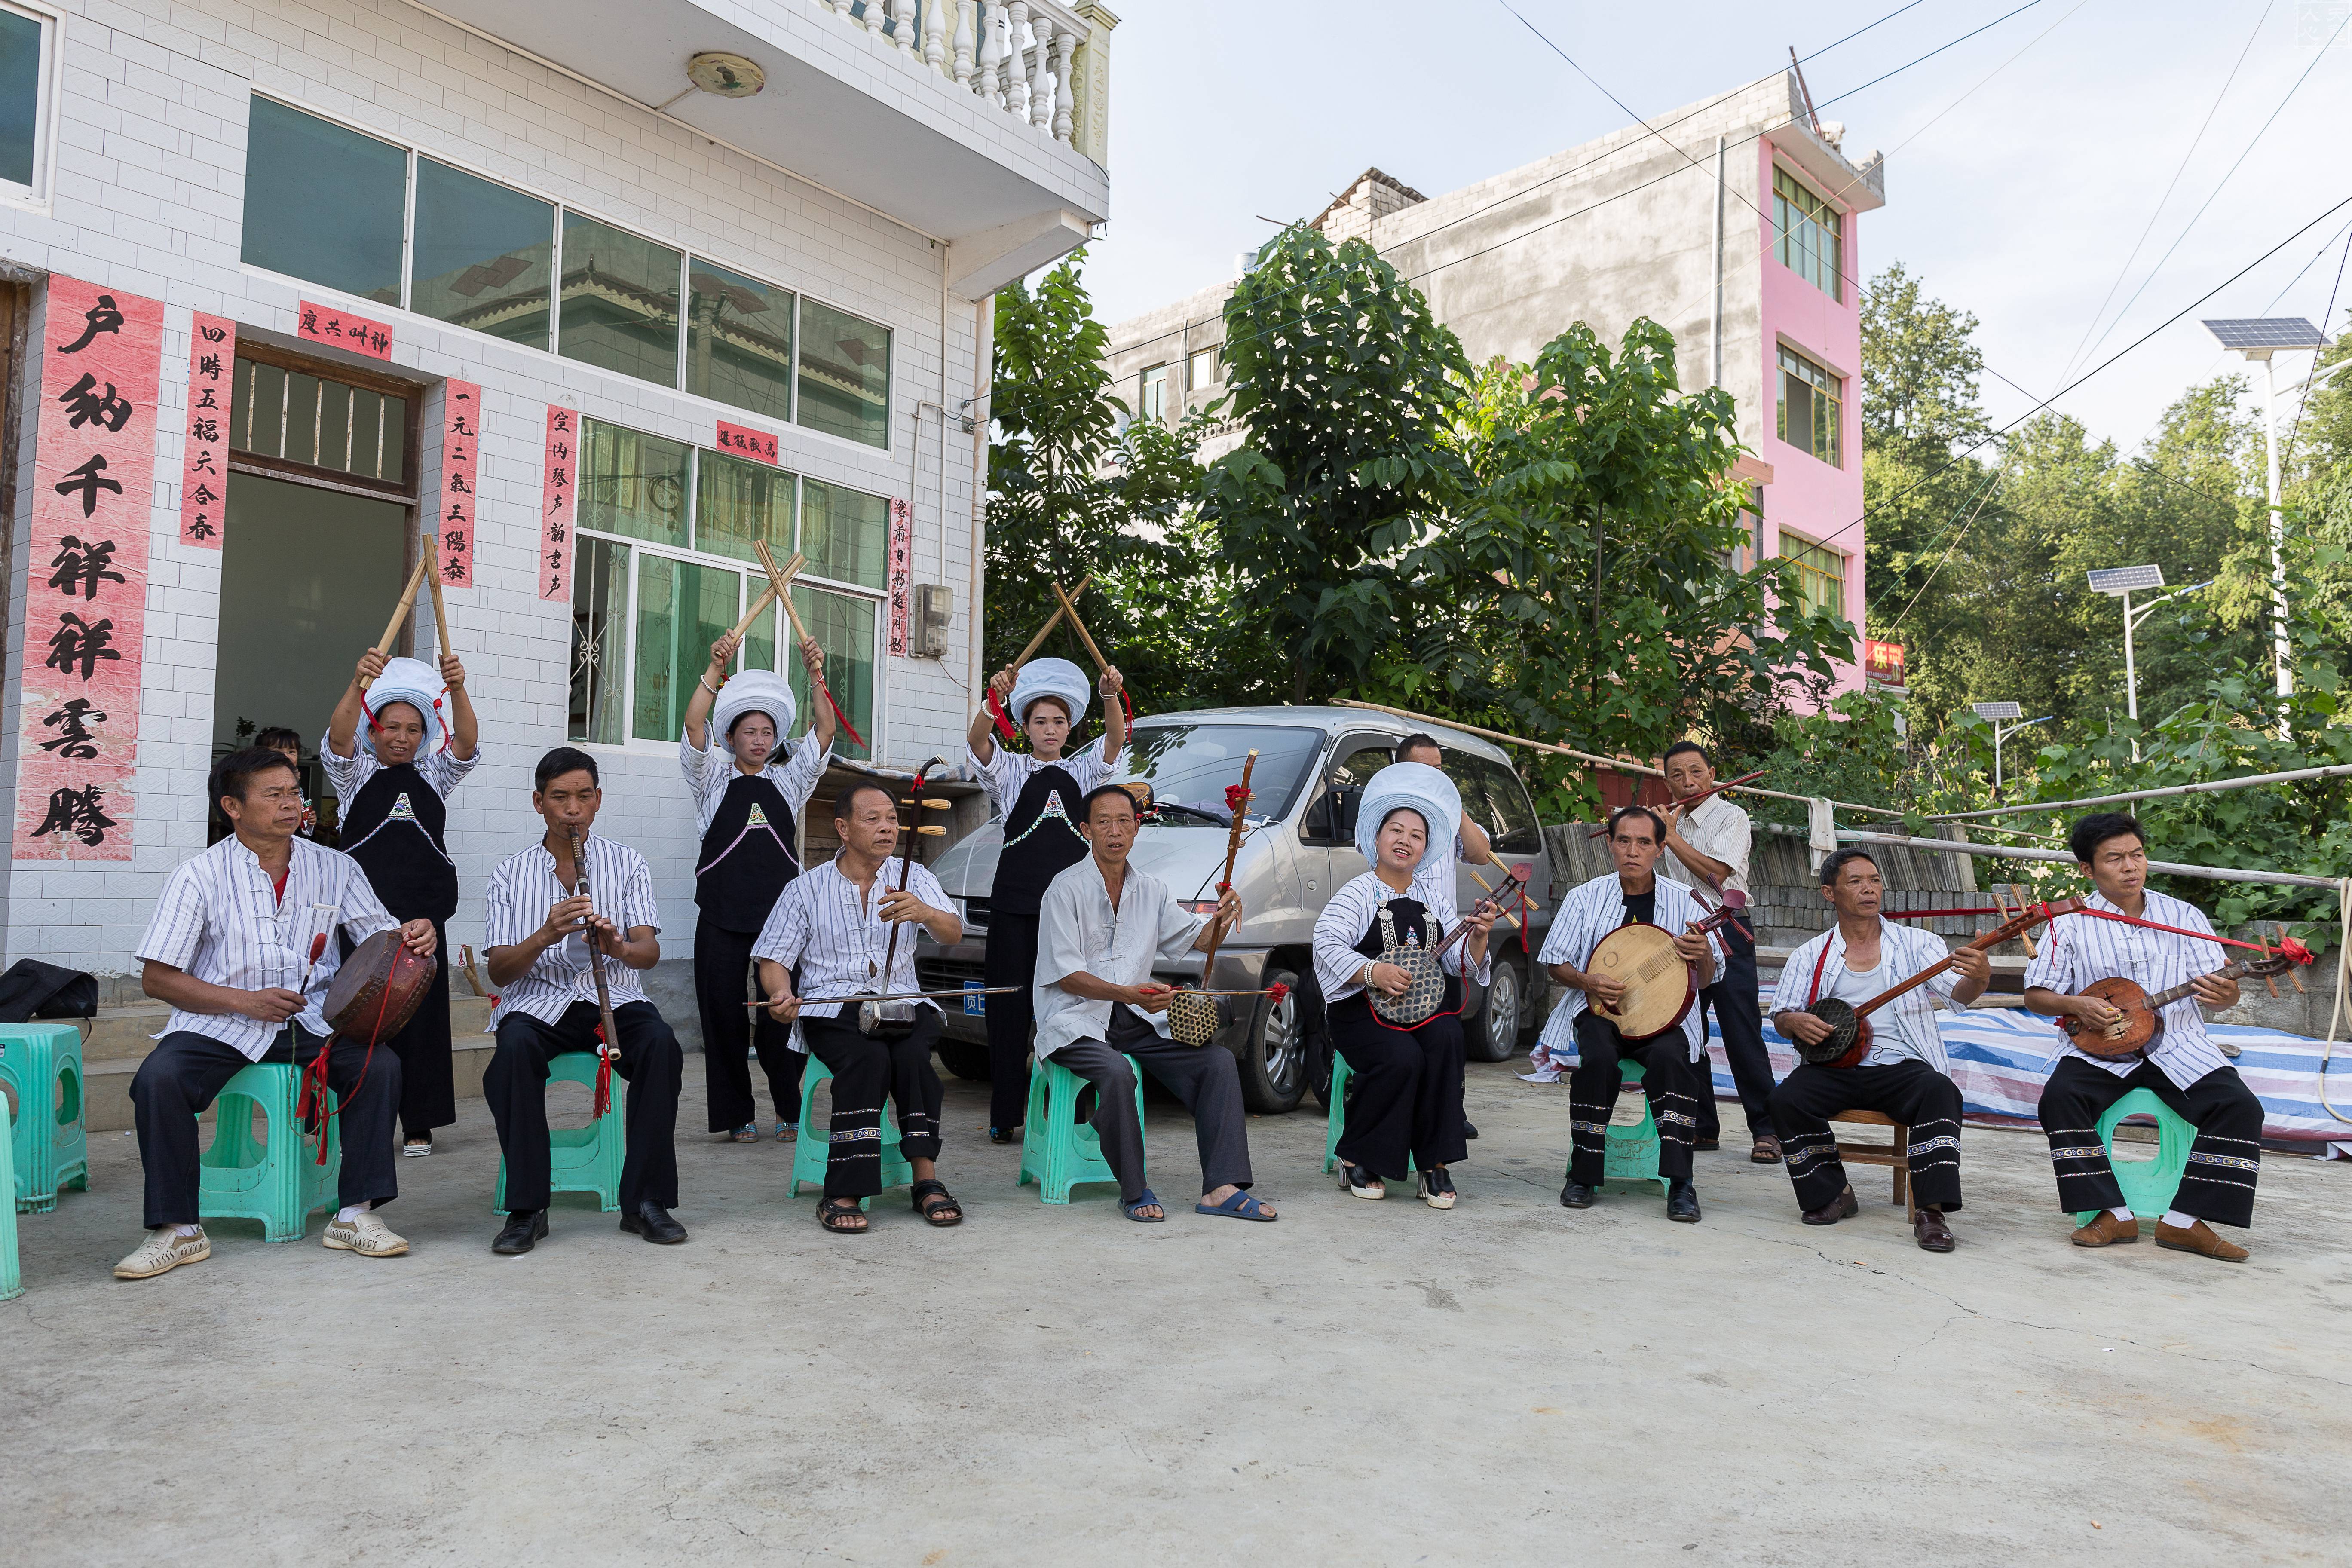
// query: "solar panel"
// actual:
[[1995, 710], [2126, 579], [2258, 332]]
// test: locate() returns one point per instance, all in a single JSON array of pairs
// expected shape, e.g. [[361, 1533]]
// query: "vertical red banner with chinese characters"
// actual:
[[86, 574], [555, 503], [461, 447], [204, 466], [902, 574]]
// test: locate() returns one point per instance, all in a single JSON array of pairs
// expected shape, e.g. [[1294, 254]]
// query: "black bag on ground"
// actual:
[[31, 989]]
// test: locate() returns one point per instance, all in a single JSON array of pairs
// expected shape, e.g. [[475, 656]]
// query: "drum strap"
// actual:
[[1813, 992]]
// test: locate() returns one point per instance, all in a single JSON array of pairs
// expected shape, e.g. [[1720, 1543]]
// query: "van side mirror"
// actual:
[[1351, 800]]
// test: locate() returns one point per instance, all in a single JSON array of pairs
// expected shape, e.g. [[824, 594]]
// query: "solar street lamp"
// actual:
[[2122, 581], [1994, 712], [2259, 339]]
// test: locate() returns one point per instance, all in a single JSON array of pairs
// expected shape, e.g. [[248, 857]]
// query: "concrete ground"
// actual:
[[1360, 1383]]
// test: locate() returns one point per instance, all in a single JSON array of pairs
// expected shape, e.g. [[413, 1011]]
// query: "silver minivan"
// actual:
[[1312, 765]]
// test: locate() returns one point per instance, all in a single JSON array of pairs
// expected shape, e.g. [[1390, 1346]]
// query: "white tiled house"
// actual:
[[537, 199]]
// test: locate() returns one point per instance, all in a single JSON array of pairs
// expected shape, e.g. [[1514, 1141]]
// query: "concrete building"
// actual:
[[1734, 223], [371, 281]]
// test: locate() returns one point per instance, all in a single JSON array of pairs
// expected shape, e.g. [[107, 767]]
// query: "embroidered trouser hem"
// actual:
[[1672, 1081], [1913, 1093], [2224, 1161], [865, 1071]]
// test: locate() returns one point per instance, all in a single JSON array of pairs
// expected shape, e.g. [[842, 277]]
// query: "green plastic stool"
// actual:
[[42, 1065], [2148, 1185], [813, 1149], [279, 1181], [1338, 1116], [1058, 1151], [1633, 1150], [12, 1283], [581, 1159]]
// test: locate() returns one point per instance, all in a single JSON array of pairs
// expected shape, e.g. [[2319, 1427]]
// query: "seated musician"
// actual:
[[1673, 1076], [830, 935], [2182, 1066], [536, 933], [229, 947], [1904, 1075], [1102, 924], [1404, 1108]]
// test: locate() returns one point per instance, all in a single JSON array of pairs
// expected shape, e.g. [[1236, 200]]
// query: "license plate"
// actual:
[[975, 1005]]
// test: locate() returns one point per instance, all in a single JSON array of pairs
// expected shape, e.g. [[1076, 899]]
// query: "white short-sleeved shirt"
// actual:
[[223, 922], [1354, 908], [1905, 1029], [708, 770], [443, 771], [1078, 931], [1720, 831], [837, 938], [1006, 773], [2080, 950], [524, 888], [1590, 913]]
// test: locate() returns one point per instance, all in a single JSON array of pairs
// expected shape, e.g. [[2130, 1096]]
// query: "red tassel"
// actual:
[[604, 1076], [1003, 724], [840, 718]]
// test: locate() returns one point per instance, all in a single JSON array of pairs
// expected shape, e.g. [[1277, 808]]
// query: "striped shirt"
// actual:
[[442, 770], [524, 888], [2082, 949], [1905, 1029], [708, 770], [836, 937], [1352, 911], [221, 920], [1005, 773], [1592, 912]]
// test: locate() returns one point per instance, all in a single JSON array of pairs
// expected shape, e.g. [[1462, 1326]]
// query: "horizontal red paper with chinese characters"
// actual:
[[745, 442], [203, 461], [331, 324], [85, 571], [461, 448], [555, 506]]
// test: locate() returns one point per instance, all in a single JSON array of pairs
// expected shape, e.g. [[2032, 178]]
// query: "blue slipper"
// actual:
[[1240, 1206], [1146, 1199]]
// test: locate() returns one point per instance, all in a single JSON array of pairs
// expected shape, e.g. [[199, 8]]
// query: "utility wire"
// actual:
[[2304, 401]]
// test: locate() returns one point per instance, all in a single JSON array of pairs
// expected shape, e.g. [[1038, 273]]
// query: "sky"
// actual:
[[2024, 164]]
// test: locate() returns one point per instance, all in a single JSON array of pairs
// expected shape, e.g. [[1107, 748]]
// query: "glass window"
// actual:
[[325, 424], [844, 378], [682, 609], [1809, 234], [1498, 801], [1200, 370], [323, 203], [843, 628], [1191, 764], [846, 534], [1813, 408], [482, 254], [1155, 396], [620, 301], [634, 484], [600, 639], [738, 341], [1818, 577], [741, 503], [21, 49]]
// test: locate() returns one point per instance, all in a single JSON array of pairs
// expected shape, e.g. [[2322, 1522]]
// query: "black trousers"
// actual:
[[1735, 1002], [516, 1086], [1011, 959], [721, 960], [1205, 1078], [2224, 1161], [865, 1071], [186, 1071], [1405, 1102], [428, 1089], [1912, 1092], [1673, 1082]]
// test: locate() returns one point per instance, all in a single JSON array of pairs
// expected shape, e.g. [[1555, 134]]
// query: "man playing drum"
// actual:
[[1672, 1078], [241, 945], [1905, 1075]]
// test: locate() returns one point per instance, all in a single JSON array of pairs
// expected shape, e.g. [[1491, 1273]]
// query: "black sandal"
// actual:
[[943, 1202], [832, 1211]]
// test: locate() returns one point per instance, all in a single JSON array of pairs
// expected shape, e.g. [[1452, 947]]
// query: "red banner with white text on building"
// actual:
[[85, 571], [461, 448], [204, 463]]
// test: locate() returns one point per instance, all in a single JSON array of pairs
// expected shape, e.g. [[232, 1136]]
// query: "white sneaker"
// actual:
[[416, 1148], [366, 1234], [163, 1251]]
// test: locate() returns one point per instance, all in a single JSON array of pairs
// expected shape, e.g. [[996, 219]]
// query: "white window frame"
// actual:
[[36, 197]]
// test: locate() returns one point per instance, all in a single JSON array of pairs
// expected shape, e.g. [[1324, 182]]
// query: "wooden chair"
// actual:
[[1895, 1155]]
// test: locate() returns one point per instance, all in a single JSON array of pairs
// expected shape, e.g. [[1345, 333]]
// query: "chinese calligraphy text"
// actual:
[[461, 446], [326, 324], [204, 462], [555, 506]]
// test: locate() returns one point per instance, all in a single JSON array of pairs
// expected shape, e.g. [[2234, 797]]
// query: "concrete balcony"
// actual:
[[984, 126]]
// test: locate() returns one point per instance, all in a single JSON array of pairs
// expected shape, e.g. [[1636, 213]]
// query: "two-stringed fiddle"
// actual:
[[1848, 1041], [2140, 1016]]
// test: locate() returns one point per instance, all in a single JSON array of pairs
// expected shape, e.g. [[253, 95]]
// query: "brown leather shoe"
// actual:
[[2106, 1230], [1766, 1152], [2199, 1238], [1842, 1206], [1933, 1234]]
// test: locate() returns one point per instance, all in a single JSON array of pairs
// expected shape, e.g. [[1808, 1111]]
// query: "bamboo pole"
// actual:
[[390, 637], [2207, 786], [2063, 857], [1051, 621], [1070, 608], [440, 611]]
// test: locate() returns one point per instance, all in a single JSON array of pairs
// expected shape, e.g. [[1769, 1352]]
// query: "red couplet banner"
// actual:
[[203, 465], [555, 506], [902, 574], [326, 324], [86, 577], [461, 448], [743, 441]]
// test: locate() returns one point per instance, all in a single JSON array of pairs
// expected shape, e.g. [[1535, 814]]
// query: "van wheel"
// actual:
[[964, 1060], [1496, 1037], [1273, 1055]]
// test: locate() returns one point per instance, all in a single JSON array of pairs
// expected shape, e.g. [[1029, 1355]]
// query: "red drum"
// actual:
[[378, 989]]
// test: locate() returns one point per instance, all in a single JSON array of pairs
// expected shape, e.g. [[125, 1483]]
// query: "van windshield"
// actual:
[[1193, 764]]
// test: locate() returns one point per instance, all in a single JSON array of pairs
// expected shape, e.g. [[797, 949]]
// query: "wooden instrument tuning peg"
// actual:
[[931, 830], [931, 804]]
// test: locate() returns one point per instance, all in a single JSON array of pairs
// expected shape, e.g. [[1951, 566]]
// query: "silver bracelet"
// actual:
[[707, 686]]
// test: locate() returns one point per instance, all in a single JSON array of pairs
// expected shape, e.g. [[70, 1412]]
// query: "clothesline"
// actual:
[[2205, 788]]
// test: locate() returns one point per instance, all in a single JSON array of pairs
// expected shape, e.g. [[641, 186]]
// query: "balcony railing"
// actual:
[[1044, 64]]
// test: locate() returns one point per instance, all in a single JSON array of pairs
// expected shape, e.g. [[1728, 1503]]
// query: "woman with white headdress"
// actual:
[[1039, 798], [1404, 1106], [392, 774], [749, 809]]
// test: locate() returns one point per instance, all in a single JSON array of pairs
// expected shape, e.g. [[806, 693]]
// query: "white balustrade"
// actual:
[[934, 37], [902, 25], [966, 41], [1016, 86], [1066, 44], [1019, 55], [874, 17]]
